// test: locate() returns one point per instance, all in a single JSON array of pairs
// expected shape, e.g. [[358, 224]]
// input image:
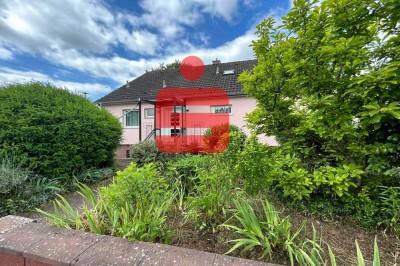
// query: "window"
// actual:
[[131, 118], [221, 109], [178, 109], [149, 112], [229, 72]]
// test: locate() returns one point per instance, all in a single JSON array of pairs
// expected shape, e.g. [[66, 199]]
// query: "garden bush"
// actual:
[[211, 198], [138, 186], [224, 137], [54, 132], [185, 171], [148, 152], [253, 165], [327, 87]]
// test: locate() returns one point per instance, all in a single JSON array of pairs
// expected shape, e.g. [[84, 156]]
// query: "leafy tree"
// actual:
[[54, 132], [327, 86]]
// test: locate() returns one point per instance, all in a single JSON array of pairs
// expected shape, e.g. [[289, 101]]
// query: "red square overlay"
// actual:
[[184, 115]]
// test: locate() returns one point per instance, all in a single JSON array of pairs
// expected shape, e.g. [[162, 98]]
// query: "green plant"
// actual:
[[225, 137], [360, 259], [54, 132], [125, 218], [289, 175], [148, 152], [93, 175], [186, 170], [20, 190], [337, 179], [268, 231], [211, 196], [271, 233], [253, 165], [390, 207], [12, 175], [137, 186], [326, 87]]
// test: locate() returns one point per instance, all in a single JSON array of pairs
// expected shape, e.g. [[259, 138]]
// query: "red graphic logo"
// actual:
[[192, 119], [192, 68]]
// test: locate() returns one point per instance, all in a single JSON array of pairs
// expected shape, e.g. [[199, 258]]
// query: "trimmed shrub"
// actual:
[[56, 131]]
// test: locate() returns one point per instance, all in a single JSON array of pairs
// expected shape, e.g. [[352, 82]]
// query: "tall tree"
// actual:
[[327, 83]]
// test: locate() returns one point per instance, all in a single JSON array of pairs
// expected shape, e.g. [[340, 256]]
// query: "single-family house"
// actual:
[[134, 103]]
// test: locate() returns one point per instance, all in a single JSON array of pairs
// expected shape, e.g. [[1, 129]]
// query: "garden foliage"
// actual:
[[20, 189], [326, 84], [327, 87], [53, 132], [148, 152], [133, 206]]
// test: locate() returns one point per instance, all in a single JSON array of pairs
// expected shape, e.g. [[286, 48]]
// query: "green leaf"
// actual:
[[331, 257], [376, 261], [360, 259]]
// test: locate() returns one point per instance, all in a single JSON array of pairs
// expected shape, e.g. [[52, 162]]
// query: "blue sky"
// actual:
[[95, 46]]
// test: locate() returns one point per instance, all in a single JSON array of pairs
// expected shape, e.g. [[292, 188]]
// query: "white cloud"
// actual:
[[81, 35], [92, 26], [169, 17], [89, 26], [8, 75], [5, 54], [226, 9], [34, 26], [250, 3], [142, 42], [121, 69]]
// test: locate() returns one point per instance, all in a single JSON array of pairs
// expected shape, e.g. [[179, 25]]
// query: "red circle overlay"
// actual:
[[192, 68]]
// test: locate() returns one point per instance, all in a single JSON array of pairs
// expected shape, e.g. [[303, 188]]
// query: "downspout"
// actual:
[[155, 125], [140, 120]]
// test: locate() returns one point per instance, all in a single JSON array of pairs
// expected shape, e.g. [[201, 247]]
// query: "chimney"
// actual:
[[216, 62], [164, 85]]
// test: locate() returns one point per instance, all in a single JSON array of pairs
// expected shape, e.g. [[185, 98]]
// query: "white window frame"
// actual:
[[146, 115], [212, 109], [125, 112]]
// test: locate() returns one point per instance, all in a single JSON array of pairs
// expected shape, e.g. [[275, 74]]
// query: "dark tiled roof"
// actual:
[[149, 84]]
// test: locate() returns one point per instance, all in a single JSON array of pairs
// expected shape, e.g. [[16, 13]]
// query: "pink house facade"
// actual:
[[134, 103]]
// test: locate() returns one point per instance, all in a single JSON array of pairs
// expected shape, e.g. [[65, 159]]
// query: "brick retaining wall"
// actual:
[[25, 242]]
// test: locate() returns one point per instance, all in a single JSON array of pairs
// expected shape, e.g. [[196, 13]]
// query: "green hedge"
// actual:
[[54, 132]]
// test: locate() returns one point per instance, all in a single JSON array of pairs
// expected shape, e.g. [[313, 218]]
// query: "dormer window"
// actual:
[[229, 72]]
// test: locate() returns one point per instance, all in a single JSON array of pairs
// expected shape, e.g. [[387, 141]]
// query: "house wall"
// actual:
[[130, 135], [147, 123], [240, 107]]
